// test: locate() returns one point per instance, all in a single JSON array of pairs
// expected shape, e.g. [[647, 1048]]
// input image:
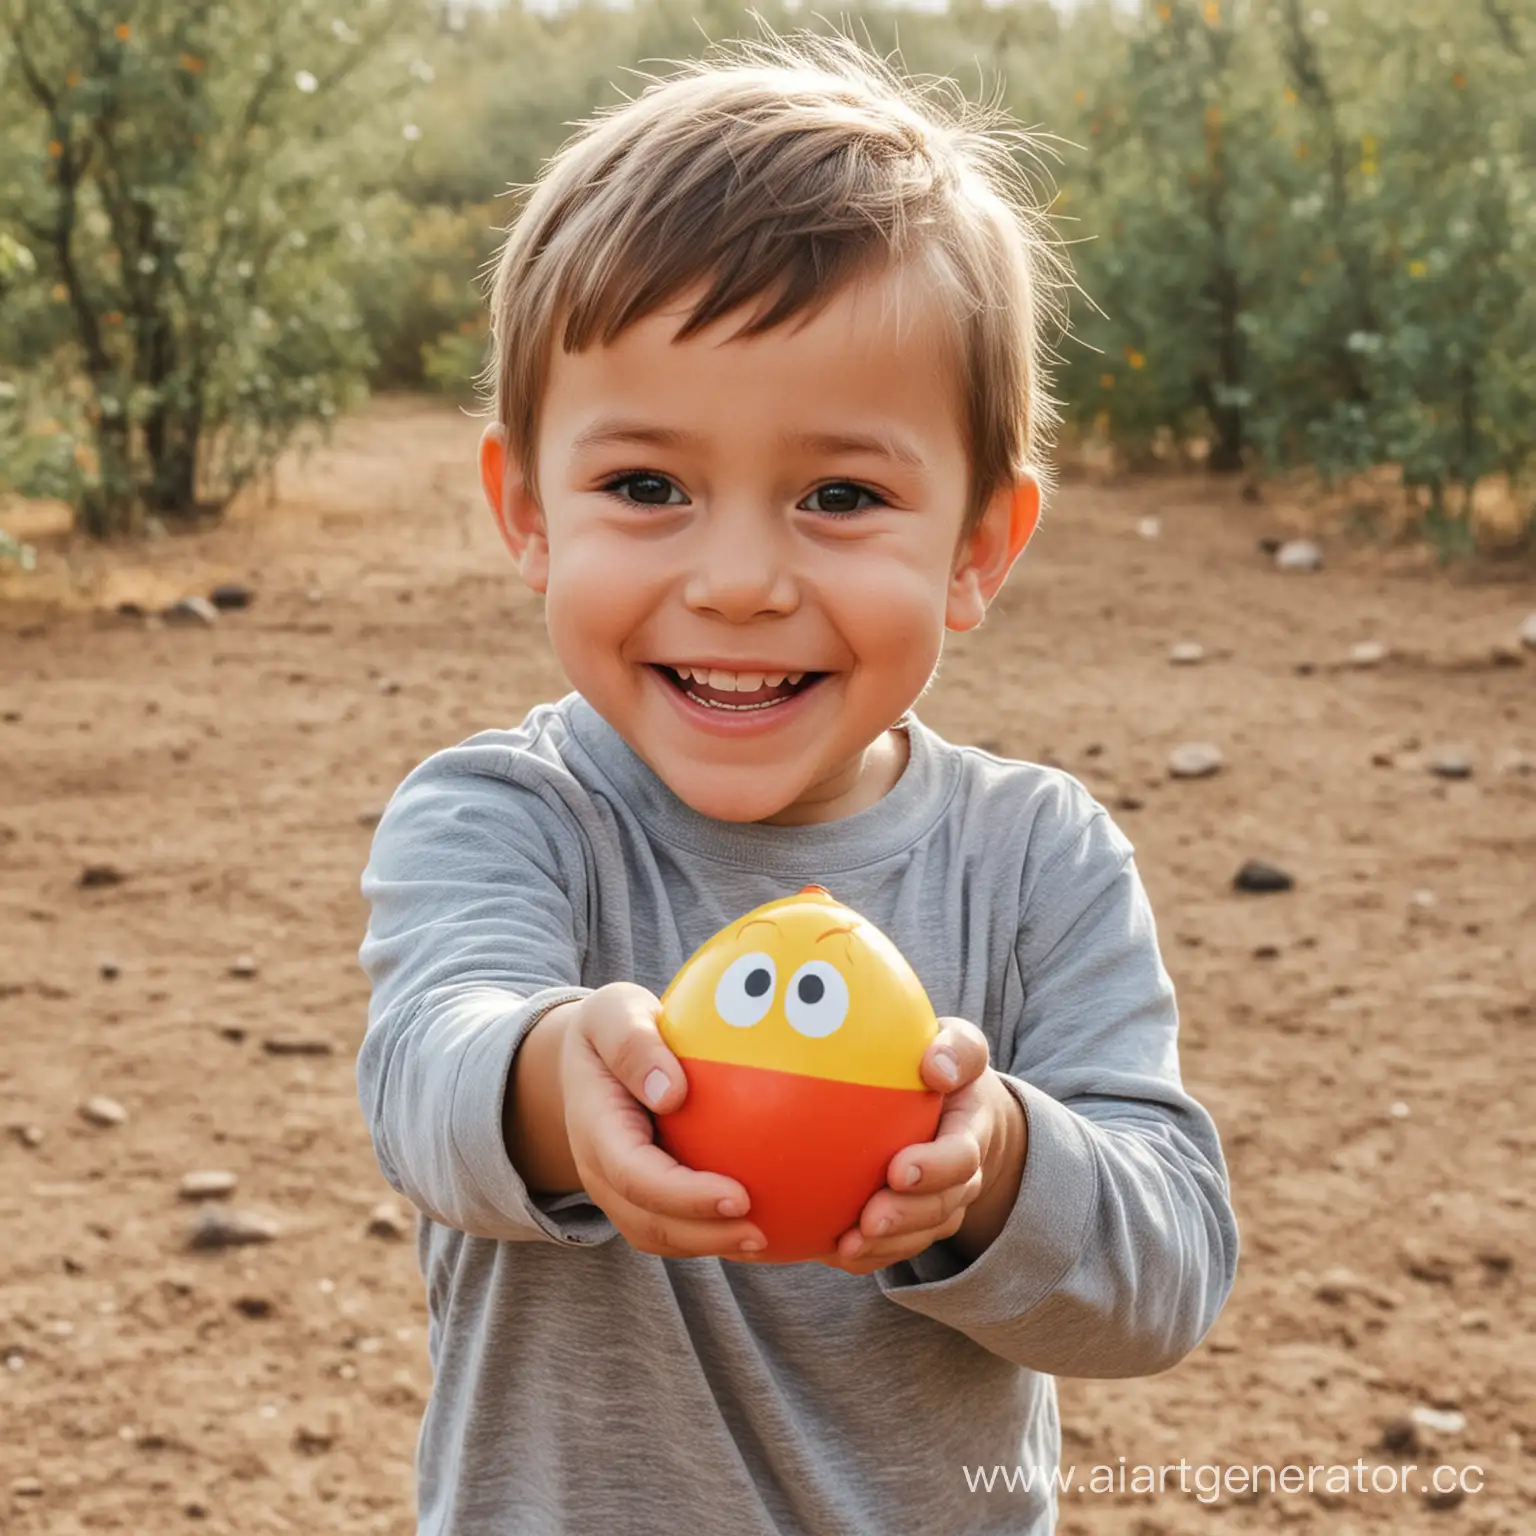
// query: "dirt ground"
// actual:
[[1367, 1041]]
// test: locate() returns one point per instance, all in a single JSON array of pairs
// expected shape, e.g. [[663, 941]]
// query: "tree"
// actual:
[[192, 185]]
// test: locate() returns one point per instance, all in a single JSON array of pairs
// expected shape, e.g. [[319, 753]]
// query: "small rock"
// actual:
[[311, 1440], [1423, 1264], [1444, 1498], [191, 610], [1270, 545], [1261, 879], [100, 1110], [245, 967], [1476, 1321], [1337, 1285], [1305, 668], [1451, 765], [315, 596], [388, 1222], [1399, 1109], [388, 686], [1187, 653], [1299, 555], [1129, 803], [109, 970], [96, 876], [207, 1184], [1528, 632], [1495, 1260], [253, 1306], [1194, 760], [1503, 655], [214, 1230], [297, 1045], [26, 1487], [1400, 1435], [1149, 527], [1437, 1421], [1266, 952], [1516, 764], [30, 1136], [231, 594], [1381, 758], [232, 1032], [1369, 653]]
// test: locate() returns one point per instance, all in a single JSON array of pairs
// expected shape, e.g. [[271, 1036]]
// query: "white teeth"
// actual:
[[736, 682]]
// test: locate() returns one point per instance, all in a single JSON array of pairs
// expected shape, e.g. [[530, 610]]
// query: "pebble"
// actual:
[[315, 596], [207, 1184], [96, 876], [1437, 1421], [1337, 1286], [253, 1306], [231, 594], [109, 970], [1447, 1498], [1194, 760], [388, 1222], [191, 610], [1299, 555], [1528, 632], [30, 1136], [214, 1230], [100, 1110], [1187, 653], [245, 967], [1149, 527], [1450, 765], [1262, 879], [1400, 1435], [26, 1487], [1369, 653], [297, 1045]]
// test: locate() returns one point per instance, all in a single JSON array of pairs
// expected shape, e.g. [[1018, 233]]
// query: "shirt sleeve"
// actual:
[[1121, 1248], [477, 916]]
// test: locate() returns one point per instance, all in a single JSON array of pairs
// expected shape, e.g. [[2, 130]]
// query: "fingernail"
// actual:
[[751, 1245], [655, 1086], [914, 1173], [731, 1206], [882, 1226], [855, 1248], [947, 1065]]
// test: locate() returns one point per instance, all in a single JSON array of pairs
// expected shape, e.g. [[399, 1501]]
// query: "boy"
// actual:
[[768, 398]]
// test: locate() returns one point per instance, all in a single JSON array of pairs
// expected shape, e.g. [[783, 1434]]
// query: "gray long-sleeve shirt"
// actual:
[[584, 1387]]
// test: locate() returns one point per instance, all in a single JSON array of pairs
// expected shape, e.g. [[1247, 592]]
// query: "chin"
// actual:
[[724, 802]]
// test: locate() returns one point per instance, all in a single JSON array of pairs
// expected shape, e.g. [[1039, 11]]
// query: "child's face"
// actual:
[[788, 503]]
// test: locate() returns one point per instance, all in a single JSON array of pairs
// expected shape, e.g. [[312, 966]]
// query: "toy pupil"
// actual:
[[811, 989], [758, 982]]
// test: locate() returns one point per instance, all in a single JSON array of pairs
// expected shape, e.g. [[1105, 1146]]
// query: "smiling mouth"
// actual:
[[736, 700]]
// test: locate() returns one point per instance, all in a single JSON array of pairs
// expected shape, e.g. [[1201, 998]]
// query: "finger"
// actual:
[[674, 1238], [858, 1255], [891, 1216], [951, 1157], [957, 1055], [620, 1023]]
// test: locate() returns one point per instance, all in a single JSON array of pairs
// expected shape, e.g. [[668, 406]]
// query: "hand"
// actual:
[[969, 1171], [613, 1063]]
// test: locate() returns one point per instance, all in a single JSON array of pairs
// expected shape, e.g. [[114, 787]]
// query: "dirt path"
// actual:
[[1367, 1041]]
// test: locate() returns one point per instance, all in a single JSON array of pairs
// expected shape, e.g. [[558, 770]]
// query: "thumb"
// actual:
[[621, 1025]]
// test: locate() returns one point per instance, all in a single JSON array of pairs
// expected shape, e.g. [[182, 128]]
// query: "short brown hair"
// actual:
[[774, 172]]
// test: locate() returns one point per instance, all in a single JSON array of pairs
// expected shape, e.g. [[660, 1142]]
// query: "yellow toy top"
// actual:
[[806, 985]]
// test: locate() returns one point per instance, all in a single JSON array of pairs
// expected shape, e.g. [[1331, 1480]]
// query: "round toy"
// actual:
[[801, 1028]]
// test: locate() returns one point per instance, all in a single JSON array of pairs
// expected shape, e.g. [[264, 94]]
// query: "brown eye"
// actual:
[[646, 490], [842, 498]]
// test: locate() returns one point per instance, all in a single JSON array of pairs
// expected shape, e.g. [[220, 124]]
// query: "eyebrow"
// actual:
[[607, 433]]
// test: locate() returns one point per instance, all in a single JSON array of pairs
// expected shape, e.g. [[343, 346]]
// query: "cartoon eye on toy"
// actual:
[[745, 992], [817, 1000]]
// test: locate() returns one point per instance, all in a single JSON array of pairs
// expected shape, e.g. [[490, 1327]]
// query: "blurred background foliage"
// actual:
[[1304, 230]]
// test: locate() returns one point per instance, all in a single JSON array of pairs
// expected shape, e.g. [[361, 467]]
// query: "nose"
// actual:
[[740, 572]]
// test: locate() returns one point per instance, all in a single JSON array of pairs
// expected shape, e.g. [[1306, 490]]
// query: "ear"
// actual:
[[986, 557], [514, 507]]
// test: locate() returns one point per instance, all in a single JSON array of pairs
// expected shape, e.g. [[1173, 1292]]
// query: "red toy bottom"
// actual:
[[809, 1150]]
